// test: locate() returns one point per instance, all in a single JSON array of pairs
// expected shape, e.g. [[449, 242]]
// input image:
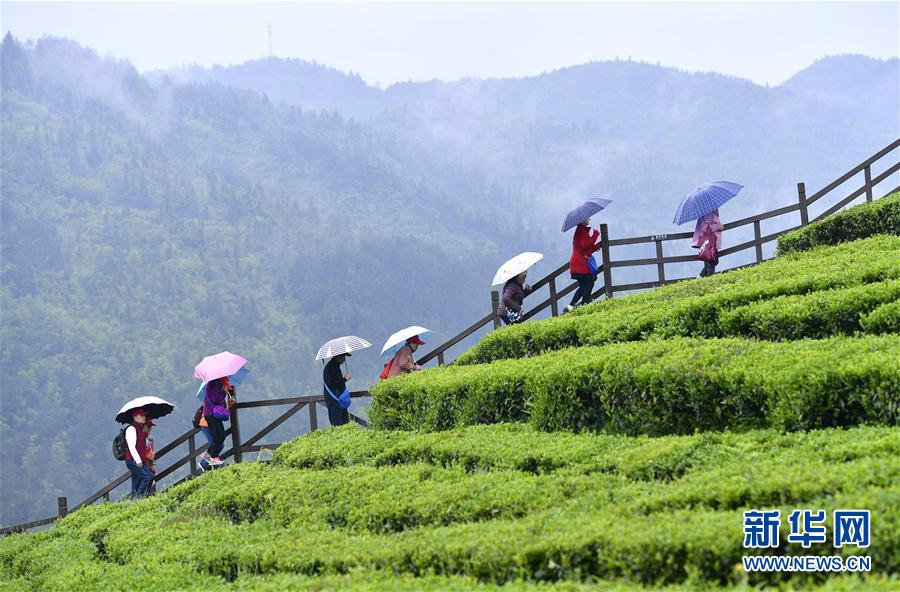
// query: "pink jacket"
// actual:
[[709, 222], [403, 362]]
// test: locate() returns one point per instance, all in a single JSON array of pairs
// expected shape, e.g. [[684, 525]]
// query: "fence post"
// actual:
[[313, 417], [106, 496], [62, 506], [236, 435], [554, 306], [757, 235], [607, 267], [660, 266], [440, 358], [801, 195], [495, 306], [192, 452], [868, 173]]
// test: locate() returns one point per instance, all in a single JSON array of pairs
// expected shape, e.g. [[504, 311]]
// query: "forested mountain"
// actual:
[[145, 226], [264, 208]]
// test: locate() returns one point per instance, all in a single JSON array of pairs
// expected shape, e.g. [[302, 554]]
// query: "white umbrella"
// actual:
[[515, 266], [154, 406], [398, 339], [342, 345]]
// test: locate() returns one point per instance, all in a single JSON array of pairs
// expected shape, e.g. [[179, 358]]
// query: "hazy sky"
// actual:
[[387, 42]]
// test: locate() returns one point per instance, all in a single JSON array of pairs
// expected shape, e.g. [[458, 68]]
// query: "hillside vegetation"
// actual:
[[484, 505], [550, 501]]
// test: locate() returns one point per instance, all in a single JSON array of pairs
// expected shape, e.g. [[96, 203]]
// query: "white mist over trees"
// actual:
[[149, 220]]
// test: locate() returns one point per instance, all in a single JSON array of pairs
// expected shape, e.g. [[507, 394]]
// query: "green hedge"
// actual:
[[618, 516], [878, 217], [884, 319], [659, 387], [702, 307], [817, 315]]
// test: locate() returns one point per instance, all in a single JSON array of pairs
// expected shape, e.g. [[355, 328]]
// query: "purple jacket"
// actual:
[[215, 395]]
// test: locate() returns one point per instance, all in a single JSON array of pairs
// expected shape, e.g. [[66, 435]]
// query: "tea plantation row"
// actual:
[[660, 386], [823, 292], [498, 505]]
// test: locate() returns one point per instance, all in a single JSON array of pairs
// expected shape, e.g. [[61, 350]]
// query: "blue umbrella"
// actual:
[[583, 212], [234, 380], [705, 199]]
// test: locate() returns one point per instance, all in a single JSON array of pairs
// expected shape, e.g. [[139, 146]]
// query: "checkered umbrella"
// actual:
[[342, 345], [583, 212], [704, 200]]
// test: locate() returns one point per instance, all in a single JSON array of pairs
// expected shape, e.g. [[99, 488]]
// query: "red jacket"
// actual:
[[584, 244]]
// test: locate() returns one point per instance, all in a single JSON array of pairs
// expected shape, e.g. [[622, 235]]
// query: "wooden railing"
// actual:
[[607, 288], [559, 287], [239, 447]]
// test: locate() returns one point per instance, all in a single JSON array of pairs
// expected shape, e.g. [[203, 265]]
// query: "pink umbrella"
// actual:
[[219, 365]]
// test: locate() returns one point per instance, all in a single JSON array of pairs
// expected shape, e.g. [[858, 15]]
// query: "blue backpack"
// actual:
[[343, 401]]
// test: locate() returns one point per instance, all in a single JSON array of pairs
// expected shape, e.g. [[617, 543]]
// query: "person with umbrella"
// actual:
[[215, 412], [512, 275], [137, 459], [703, 205], [336, 382], [582, 265], [137, 452], [335, 393], [403, 345], [215, 371]]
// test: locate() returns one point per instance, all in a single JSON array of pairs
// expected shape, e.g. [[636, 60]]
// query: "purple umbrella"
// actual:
[[583, 212], [219, 365]]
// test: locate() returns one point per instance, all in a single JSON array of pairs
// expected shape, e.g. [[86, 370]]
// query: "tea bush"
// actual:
[[878, 217], [628, 513], [704, 307], [660, 386]]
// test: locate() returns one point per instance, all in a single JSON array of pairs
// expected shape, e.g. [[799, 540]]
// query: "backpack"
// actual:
[[387, 369], [119, 446], [707, 246], [198, 415]]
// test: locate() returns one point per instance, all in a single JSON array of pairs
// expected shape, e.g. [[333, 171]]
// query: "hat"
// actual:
[[415, 339], [139, 411]]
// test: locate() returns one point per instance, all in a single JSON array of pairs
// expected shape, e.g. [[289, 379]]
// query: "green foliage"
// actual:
[[884, 319], [817, 315], [778, 299], [881, 216], [660, 387], [628, 512]]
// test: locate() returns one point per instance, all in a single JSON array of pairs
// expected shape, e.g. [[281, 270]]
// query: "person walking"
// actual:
[[215, 411], [514, 292], [136, 455], [404, 362], [708, 239], [584, 245], [336, 381]]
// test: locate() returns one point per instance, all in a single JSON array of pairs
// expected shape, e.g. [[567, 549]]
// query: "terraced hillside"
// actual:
[[614, 448]]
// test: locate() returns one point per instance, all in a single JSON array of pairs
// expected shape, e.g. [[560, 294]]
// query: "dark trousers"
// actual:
[[336, 415], [217, 431], [585, 288], [709, 267], [141, 479]]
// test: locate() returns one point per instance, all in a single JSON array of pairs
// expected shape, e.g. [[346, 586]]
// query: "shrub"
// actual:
[[660, 387], [616, 511], [696, 307], [884, 319], [862, 221]]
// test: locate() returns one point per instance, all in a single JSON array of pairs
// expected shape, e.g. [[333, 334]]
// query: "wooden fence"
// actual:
[[559, 286], [607, 288], [239, 447]]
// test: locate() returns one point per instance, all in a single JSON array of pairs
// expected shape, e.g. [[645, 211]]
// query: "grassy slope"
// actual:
[[509, 506], [499, 504]]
